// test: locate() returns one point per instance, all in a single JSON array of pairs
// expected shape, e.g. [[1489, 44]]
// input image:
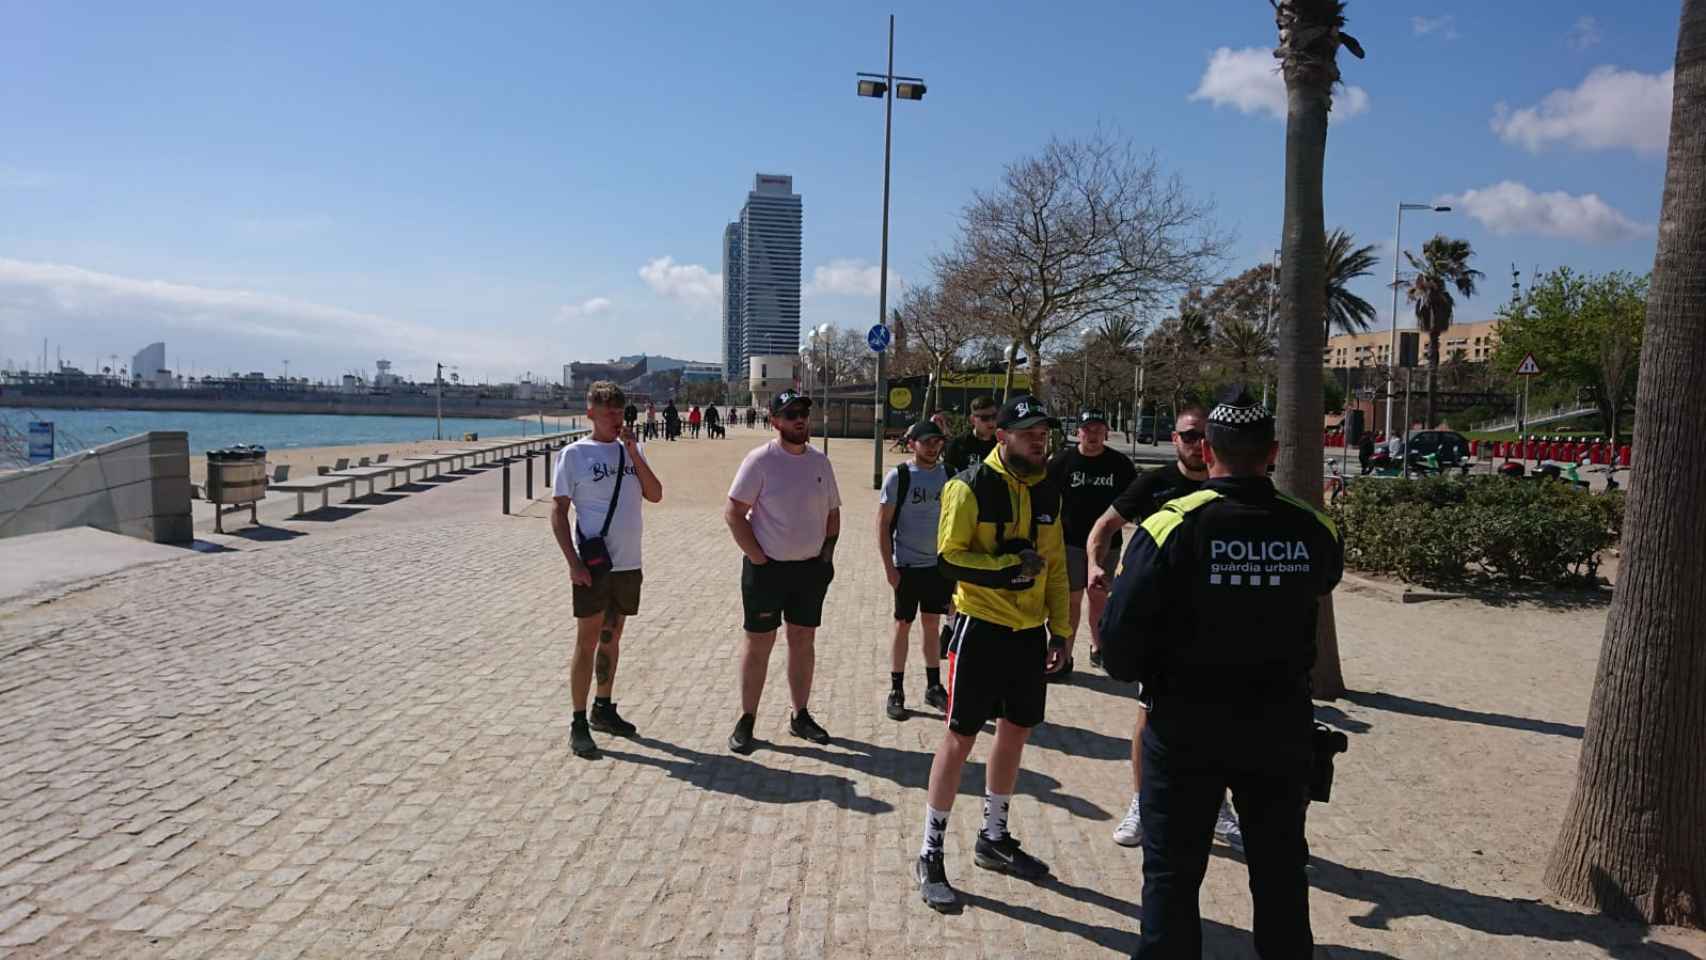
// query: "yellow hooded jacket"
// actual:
[[989, 586]]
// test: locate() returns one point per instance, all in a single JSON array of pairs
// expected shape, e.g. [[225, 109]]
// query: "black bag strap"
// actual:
[[902, 484], [615, 495]]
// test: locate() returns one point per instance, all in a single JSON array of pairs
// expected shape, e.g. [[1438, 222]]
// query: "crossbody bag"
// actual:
[[595, 554]]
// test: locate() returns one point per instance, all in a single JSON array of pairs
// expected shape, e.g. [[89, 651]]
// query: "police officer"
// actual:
[[1214, 611]]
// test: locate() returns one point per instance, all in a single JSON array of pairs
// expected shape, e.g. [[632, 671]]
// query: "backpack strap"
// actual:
[[902, 484]]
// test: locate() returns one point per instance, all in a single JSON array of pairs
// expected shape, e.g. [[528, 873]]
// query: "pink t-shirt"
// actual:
[[791, 496]]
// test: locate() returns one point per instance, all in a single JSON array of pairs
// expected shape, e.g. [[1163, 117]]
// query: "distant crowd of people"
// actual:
[[996, 542]]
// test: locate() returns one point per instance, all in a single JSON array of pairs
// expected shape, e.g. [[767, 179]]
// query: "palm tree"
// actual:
[[1443, 267], [1245, 348], [1308, 51], [1630, 843], [1347, 312]]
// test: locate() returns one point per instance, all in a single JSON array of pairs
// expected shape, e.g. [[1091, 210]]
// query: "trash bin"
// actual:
[[236, 476]]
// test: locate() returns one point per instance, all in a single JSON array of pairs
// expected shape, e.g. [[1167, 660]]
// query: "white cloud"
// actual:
[[849, 278], [682, 281], [586, 308], [1509, 207], [1249, 80], [1585, 33], [1445, 26], [106, 308], [1612, 108]]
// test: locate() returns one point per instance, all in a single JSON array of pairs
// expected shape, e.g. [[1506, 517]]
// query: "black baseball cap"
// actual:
[[1093, 415], [923, 429], [1024, 411], [782, 400]]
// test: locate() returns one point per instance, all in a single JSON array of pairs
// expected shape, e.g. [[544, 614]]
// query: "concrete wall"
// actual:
[[138, 486]]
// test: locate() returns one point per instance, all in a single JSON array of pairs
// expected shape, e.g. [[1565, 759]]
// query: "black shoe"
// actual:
[[896, 707], [936, 696], [1096, 659], [933, 886], [741, 740], [1004, 856], [606, 720], [580, 741], [1063, 675], [803, 726]]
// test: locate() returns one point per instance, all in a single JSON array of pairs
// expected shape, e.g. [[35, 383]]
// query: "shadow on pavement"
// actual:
[[1079, 742], [413, 486], [376, 499], [908, 768], [331, 514], [1395, 897], [1439, 711], [1099, 682], [1334, 717], [266, 534], [738, 776]]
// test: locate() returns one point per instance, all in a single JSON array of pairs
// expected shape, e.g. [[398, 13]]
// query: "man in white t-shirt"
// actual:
[[603, 550], [784, 511]]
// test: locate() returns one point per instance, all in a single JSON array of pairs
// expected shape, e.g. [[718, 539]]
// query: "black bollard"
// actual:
[[547, 466], [506, 487], [529, 476]]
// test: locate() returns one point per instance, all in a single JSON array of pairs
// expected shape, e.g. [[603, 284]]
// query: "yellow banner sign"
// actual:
[[900, 398], [984, 381]]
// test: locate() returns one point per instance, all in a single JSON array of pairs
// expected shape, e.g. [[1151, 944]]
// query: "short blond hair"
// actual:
[[605, 393]]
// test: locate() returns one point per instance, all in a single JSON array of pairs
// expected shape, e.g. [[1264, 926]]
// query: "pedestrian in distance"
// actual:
[[694, 418], [630, 413], [1214, 612], [602, 477], [908, 513], [1000, 539], [1136, 503], [671, 421], [713, 423], [651, 421], [1365, 450], [1089, 475], [784, 511]]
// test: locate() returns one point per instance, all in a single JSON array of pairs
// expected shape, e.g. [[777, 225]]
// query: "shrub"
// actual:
[[1438, 528]]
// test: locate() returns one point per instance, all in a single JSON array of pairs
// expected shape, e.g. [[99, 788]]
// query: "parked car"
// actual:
[[1449, 446]]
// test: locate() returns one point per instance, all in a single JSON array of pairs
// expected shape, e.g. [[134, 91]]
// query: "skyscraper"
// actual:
[[734, 356], [769, 255]]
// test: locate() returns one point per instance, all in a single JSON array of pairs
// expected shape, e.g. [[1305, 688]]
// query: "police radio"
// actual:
[[1324, 742]]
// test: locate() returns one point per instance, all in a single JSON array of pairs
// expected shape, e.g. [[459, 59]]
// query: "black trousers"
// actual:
[[1186, 772]]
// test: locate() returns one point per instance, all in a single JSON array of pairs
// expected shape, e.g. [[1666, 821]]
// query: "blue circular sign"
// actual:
[[878, 337]]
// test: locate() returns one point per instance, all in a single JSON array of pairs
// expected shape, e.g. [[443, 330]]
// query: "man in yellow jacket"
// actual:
[[1000, 538]]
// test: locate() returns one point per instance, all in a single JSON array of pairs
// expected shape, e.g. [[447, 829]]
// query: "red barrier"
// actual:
[[1623, 455], [1571, 451]]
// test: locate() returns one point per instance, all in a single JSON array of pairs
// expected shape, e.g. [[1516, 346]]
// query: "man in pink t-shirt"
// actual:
[[785, 513]]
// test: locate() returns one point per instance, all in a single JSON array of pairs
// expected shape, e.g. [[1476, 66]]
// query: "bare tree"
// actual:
[[1083, 229], [1631, 840], [939, 322]]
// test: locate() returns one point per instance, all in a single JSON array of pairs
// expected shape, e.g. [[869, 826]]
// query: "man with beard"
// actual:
[[908, 514], [1137, 503], [1000, 539], [1089, 476], [784, 511]]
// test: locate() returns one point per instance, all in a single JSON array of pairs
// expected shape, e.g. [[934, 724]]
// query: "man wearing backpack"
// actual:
[[604, 476], [907, 516]]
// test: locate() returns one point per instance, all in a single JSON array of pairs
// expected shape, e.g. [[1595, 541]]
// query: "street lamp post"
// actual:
[[820, 344], [911, 88], [1398, 254]]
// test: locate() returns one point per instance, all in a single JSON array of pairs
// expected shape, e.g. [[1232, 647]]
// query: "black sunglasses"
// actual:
[[1191, 436], [794, 413]]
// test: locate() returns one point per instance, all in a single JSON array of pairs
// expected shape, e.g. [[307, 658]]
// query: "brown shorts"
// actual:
[[614, 593]]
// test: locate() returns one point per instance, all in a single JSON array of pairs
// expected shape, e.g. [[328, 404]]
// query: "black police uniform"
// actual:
[[1214, 610]]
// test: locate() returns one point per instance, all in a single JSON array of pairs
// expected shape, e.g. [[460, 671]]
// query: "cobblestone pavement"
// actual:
[[352, 744]]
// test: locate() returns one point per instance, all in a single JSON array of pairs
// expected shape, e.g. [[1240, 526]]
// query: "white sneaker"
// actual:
[[1226, 828], [1130, 831]]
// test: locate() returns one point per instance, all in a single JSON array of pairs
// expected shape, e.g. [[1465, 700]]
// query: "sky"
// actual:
[[508, 187]]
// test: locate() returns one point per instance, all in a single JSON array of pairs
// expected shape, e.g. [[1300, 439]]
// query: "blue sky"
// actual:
[[497, 188]]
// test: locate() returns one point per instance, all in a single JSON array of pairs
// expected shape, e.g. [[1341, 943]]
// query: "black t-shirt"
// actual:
[[966, 450], [1151, 490], [1088, 485]]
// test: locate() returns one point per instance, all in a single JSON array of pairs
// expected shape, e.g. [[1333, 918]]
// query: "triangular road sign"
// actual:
[[1528, 368]]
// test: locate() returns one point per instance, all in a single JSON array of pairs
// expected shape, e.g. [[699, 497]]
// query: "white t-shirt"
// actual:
[[586, 474], [791, 496]]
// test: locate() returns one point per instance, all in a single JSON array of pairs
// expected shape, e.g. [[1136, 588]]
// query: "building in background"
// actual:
[[1476, 341], [769, 273], [148, 368], [733, 337], [769, 374], [384, 377]]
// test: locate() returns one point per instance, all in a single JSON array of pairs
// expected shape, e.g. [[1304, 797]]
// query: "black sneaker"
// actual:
[[580, 741], [803, 726], [741, 740], [606, 720], [1063, 675], [936, 696], [1096, 659], [1004, 856], [896, 707], [932, 882]]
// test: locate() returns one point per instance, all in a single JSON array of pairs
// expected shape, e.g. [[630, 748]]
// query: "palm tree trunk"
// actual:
[[1303, 300], [1630, 844], [1433, 379]]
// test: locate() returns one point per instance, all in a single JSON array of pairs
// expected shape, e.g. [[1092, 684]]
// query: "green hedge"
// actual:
[[1443, 529]]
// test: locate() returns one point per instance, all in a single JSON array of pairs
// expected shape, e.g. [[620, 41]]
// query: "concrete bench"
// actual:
[[320, 485], [371, 474], [429, 466]]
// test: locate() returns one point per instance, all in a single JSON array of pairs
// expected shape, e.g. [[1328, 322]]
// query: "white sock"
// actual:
[[935, 827], [995, 807]]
